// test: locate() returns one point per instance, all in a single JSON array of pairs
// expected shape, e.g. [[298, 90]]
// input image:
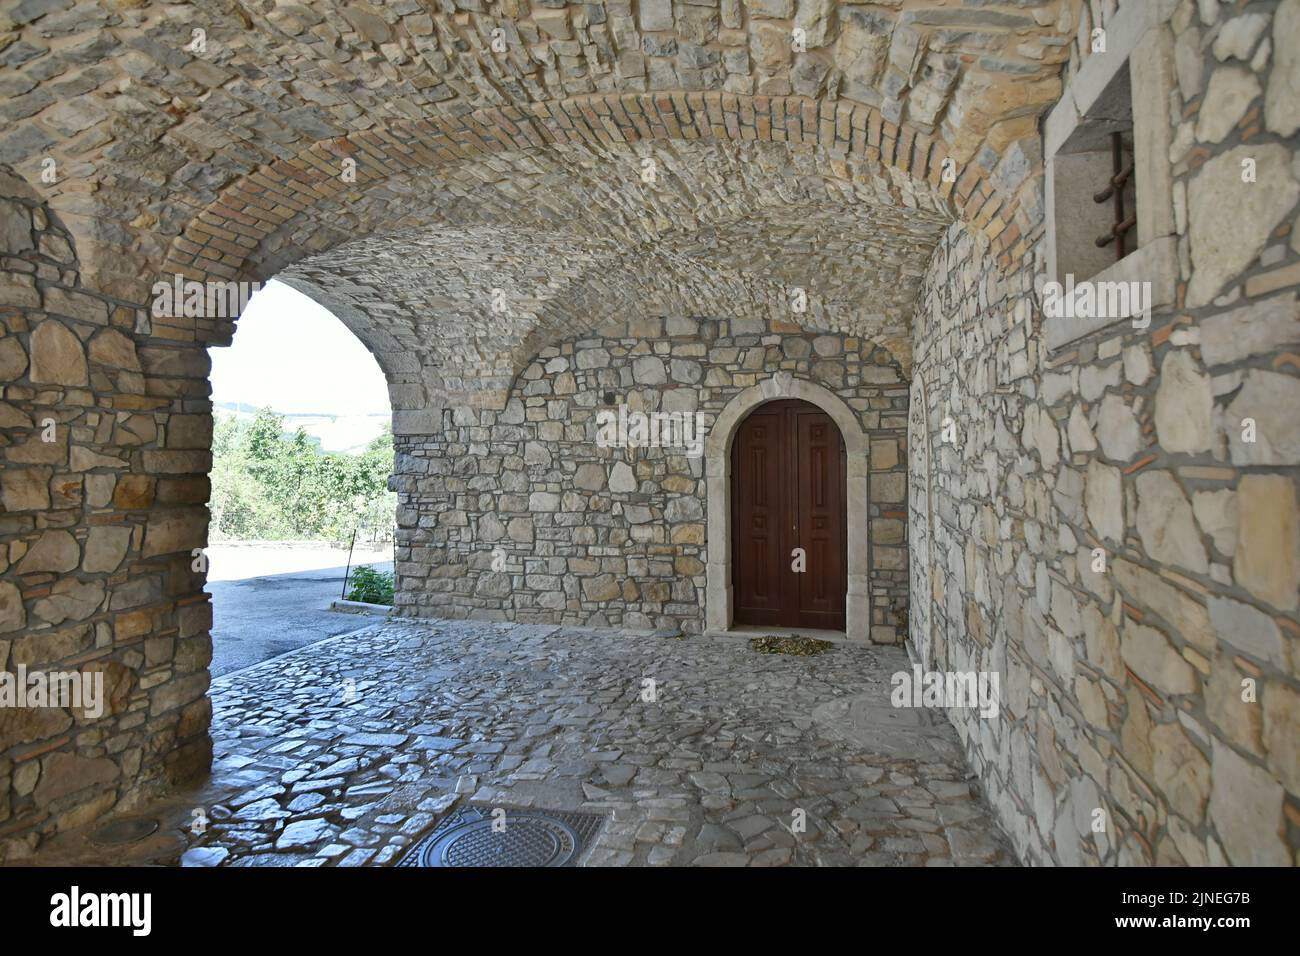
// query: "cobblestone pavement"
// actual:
[[268, 600], [344, 752]]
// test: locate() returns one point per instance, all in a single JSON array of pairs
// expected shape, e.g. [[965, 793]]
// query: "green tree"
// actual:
[[267, 484]]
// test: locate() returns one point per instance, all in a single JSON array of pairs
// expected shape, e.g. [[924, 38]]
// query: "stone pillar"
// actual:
[[105, 431]]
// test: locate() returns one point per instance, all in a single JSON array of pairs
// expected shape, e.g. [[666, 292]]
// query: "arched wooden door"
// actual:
[[788, 492]]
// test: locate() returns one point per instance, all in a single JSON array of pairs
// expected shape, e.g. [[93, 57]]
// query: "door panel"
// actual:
[[788, 481], [758, 518], [819, 520]]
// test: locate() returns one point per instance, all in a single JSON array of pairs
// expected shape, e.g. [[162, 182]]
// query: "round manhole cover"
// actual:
[[473, 837], [525, 841]]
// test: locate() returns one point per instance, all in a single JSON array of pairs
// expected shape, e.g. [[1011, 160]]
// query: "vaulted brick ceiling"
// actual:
[[518, 168], [574, 238]]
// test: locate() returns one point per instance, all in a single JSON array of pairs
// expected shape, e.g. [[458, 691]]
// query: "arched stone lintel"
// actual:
[[482, 135], [915, 174], [417, 406], [717, 471], [396, 361]]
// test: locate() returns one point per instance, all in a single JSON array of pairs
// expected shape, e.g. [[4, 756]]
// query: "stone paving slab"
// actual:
[[345, 752]]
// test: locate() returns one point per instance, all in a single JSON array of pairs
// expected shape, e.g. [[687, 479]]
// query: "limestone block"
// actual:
[[1104, 501], [57, 355], [56, 550], [1282, 102], [621, 478], [1117, 429], [1268, 400], [169, 532], [12, 614], [105, 547], [69, 600], [774, 9], [1166, 524], [25, 489], [1282, 733], [1151, 657], [1267, 558], [1180, 771], [1231, 91], [1184, 405], [1252, 329], [13, 359], [64, 773], [110, 347], [1223, 246], [1246, 810]]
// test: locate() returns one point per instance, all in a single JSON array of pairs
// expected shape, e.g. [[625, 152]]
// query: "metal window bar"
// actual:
[[1122, 172]]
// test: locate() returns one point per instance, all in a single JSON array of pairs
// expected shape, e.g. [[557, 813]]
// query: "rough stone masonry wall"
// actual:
[[606, 536], [1123, 690], [96, 528]]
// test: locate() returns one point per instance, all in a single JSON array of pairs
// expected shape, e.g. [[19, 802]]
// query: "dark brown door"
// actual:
[[788, 492]]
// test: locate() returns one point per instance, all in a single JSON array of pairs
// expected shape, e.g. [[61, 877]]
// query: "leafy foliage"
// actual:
[[269, 485], [371, 586]]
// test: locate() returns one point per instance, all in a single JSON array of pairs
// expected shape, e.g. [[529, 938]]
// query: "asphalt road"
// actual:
[[267, 601]]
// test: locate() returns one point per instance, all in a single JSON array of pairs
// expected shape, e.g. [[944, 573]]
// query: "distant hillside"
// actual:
[[348, 434]]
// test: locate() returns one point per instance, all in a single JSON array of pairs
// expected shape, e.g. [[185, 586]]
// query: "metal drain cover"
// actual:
[[529, 838]]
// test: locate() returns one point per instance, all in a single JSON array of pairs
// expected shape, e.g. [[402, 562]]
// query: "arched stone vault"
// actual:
[[727, 227], [228, 142], [733, 204]]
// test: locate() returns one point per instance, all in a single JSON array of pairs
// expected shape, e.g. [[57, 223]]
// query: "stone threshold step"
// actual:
[[745, 632]]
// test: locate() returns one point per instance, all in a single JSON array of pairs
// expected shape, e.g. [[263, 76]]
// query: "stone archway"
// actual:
[[717, 470], [295, 131]]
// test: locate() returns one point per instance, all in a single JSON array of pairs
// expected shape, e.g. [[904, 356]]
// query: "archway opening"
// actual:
[[302, 456]]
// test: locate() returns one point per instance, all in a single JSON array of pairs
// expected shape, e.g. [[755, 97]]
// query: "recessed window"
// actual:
[[1095, 186], [1109, 191]]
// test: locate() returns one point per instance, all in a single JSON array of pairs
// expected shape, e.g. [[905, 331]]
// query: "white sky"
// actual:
[[296, 357]]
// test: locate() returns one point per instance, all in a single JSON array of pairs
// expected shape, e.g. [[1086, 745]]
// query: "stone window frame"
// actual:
[[719, 597], [1137, 41]]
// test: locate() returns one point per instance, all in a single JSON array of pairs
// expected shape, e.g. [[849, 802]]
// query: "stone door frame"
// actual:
[[717, 472]]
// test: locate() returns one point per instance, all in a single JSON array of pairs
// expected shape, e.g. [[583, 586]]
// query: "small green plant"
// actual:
[[371, 586]]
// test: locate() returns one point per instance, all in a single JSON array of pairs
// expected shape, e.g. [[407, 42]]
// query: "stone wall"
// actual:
[[1163, 690], [1123, 688], [105, 432], [608, 536]]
